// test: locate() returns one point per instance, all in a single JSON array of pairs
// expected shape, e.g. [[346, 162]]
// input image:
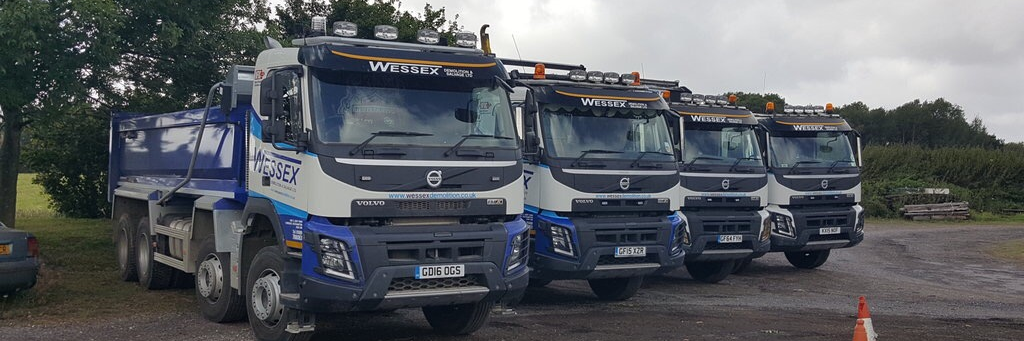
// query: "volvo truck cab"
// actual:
[[601, 178], [723, 182], [339, 175], [814, 183]]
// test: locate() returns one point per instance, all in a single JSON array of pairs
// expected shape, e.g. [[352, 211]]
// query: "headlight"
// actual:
[[520, 246], [766, 230], [783, 225], [859, 228], [335, 259], [561, 240], [682, 237]]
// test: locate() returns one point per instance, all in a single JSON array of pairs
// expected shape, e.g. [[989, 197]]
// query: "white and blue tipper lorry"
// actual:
[[814, 183], [723, 182], [601, 178], [339, 175]]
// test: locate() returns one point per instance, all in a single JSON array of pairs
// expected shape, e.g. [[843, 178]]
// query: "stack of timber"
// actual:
[[949, 210]]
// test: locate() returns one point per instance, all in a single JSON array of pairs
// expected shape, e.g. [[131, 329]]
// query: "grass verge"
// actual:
[[79, 277], [1010, 250]]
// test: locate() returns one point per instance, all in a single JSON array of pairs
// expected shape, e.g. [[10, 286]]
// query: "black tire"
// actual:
[[221, 303], [152, 275], [538, 283], [124, 243], [461, 319], [742, 265], [270, 263], [616, 289], [808, 259], [710, 272], [183, 280]]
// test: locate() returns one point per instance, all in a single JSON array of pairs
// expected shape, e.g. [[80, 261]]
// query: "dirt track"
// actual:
[[922, 282]]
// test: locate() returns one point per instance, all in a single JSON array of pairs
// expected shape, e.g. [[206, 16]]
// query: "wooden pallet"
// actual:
[[949, 210]]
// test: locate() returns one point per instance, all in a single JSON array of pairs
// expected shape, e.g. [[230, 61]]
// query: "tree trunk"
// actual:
[[10, 151]]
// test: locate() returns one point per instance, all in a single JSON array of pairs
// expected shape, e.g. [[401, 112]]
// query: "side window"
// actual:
[[291, 105]]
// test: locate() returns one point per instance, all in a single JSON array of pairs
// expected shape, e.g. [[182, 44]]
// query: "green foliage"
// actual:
[[295, 16], [756, 102], [932, 124], [990, 179], [70, 154]]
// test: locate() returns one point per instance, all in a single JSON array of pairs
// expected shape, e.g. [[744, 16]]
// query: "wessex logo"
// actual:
[[277, 167], [594, 102], [414, 69], [813, 127]]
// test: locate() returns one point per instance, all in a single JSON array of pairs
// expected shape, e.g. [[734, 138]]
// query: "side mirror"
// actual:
[[532, 143]]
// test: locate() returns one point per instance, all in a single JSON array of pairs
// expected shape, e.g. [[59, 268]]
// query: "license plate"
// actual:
[[828, 230], [730, 238], [5, 249], [440, 271], [631, 251]]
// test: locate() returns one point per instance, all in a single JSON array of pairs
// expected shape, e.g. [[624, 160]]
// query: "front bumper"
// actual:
[[595, 241], [19, 275], [808, 222], [705, 227], [386, 259]]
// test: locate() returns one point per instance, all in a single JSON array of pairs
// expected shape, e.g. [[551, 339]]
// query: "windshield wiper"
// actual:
[[738, 160], [362, 145], [472, 136], [690, 165], [592, 151], [798, 163], [836, 163], [636, 162]]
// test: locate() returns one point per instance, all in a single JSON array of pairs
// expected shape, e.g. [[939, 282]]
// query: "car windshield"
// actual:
[[818, 149], [407, 110], [720, 145], [616, 133]]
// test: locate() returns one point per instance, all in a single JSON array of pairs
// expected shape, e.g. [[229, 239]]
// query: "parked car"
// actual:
[[19, 260]]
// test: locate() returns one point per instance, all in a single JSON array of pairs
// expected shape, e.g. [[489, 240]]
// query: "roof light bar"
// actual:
[[578, 75], [344, 29], [595, 76], [611, 77], [385, 32], [630, 78], [428, 36], [465, 39], [319, 24]]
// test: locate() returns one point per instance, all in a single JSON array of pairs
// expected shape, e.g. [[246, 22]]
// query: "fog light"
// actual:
[[561, 241], [595, 76], [520, 246], [578, 75], [428, 36], [385, 32], [345, 29], [465, 39], [335, 259], [783, 225]]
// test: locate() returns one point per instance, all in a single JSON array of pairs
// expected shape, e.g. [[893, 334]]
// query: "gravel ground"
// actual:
[[923, 282]]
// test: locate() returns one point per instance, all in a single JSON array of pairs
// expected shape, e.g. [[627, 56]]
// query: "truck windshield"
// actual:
[[403, 110], [721, 145], [818, 149], [626, 133]]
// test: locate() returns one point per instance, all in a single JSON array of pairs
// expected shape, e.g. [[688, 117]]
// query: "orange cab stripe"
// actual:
[[607, 97], [808, 123]]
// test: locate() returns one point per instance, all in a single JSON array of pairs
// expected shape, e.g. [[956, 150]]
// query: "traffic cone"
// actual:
[[859, 333], [864, 315]]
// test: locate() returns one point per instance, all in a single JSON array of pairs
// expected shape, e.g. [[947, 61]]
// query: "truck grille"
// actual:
[[426, 205], [408, 284], [828, 220], [727, 226], [612, 260], [627, 236], [435, 251]]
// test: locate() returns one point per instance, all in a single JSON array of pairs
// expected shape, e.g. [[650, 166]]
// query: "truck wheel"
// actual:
[[218, 302], [616, 289], [460, 319], [710, 272], [742, 265], [267, 316], [152, 275], [125, 243], [538, 283], [807, 259]]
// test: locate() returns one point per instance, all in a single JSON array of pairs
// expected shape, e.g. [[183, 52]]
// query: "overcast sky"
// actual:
[[884, 53]]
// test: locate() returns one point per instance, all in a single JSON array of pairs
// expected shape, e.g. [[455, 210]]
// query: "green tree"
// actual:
[[52, 52], [70, 153], [756, 102]]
